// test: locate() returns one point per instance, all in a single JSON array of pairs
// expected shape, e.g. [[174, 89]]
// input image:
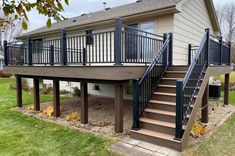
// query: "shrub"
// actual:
[[76, 91], [25, 87], [2, 74], [64, 92], [46, 89]]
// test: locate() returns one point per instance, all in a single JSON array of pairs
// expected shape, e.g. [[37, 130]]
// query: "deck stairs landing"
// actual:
[[157, 123]]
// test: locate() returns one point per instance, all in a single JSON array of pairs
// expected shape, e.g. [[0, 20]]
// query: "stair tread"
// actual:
[[171, 78], [157, 135], [163, 112], [165, 93], [158, 122], [176, 72], [167, 86], [162, 102]]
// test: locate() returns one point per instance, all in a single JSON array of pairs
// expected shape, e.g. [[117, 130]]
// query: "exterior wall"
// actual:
[[105, 90], [189, 27]]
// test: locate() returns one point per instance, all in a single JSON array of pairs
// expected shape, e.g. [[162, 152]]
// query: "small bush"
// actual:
[[46, 89], [62, 92], [76, 91], [6, 75], [25, 87]]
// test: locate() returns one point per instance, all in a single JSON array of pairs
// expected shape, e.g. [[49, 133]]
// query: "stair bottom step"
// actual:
[[157, 138]]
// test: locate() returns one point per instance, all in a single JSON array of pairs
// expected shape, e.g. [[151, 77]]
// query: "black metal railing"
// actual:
[[145, 86], [15, 53], [186, 89], [191, 53], [123, 45]]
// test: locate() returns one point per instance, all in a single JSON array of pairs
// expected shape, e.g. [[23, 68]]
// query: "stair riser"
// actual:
[[157, 141], [157, 128], [166, 89], [160, 117], [168, 82], [178, 68], [162, 107], [174, 75], [164, 98]]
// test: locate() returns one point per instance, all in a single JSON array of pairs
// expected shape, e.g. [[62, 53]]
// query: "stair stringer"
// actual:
[[194, 111]]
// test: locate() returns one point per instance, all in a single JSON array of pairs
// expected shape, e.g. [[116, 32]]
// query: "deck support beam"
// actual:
[[84, 103], [56, 96], [19, 91], [118, 108], [204, 111], [226, 89], [36, 94]]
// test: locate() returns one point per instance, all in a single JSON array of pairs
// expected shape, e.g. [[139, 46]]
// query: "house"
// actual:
[[1, 60], [167, 48]]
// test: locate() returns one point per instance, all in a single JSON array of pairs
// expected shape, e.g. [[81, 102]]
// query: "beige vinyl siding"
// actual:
[[164, 24], [189, 27]]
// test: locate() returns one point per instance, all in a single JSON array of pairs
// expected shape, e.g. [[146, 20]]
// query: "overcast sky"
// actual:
[[77, 7]]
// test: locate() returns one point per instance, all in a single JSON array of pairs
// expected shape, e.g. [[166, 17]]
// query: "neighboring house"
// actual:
[[1, 60], [152, 44]]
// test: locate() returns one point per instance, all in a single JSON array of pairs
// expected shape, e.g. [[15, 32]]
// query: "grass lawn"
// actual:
[[223, 141], [22, 135]]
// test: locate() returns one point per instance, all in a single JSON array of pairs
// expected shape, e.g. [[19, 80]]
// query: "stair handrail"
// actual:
[[184, 94], [150, 79]]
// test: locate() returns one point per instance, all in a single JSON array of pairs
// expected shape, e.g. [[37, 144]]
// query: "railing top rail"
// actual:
[[199, 50], [125, 26]]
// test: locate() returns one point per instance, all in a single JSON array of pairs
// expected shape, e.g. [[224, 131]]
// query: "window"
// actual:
[[37, 45], [148, 26], [89, 37]]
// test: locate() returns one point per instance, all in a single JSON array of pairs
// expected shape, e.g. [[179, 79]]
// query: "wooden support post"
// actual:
[[56, 96], [19, 91], [36, 94], [204, 112], [84, 103], [118, 108], [226, 89]]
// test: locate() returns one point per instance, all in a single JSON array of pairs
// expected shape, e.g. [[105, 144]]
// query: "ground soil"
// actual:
[[101, 117]]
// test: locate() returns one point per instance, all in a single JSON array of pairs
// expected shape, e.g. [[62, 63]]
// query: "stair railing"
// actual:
[[186, 89], [145, 87]]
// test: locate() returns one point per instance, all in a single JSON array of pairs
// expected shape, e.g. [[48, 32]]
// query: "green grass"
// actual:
[[23, 136], [223, 141]]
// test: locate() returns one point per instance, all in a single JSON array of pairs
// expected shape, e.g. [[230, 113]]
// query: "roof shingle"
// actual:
[[120, 11]]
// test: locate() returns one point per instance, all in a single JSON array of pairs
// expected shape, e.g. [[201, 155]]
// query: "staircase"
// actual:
[[157, 123]]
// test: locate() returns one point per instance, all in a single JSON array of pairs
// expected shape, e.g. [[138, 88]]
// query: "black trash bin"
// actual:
[[215, 91]]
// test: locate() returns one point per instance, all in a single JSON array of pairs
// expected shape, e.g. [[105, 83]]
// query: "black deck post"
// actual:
[[226, 89], [84, 57], [19, 91], [84, 103], [165, 52], [52, 55], [207, 52], [189, 54], [36, 94], [136, 106], [205, 99], [5, 53], [63, 45], [230, 53], [171, 50], [118, 42], [221, 50], [179, 109], [56, 96], [30, 51]]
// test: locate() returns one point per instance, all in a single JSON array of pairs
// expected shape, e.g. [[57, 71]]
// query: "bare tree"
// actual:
[[226, 19], [9, 29]]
